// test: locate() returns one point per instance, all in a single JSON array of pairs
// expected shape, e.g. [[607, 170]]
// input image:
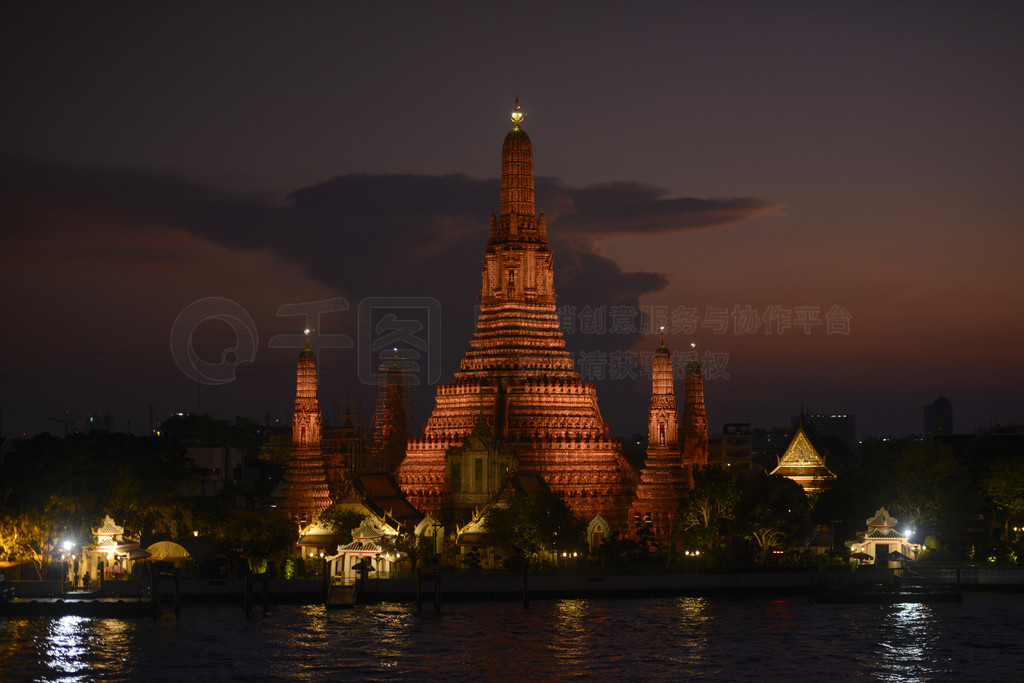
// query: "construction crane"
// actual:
[[66, 421]]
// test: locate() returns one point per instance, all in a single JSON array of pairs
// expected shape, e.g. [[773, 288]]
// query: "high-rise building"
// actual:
[[938, 418], [768, 444], [663, 481], [733, 449], [517, 386], [304, 491], [839, 426]]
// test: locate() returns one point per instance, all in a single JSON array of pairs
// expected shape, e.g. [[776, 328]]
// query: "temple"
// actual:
[[517, 402], [663, 480], [804, 460], [881, 543], [390, 420], [304, 492], [695, 418]]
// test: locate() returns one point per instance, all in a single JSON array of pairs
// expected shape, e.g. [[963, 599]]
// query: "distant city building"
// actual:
[[840, 426], [99, 422], [733, 449], [216, 465], [768, 443], [938, 418]]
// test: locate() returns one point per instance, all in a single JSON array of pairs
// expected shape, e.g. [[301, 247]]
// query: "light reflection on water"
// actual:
[[64, 647], [670, 638], [694, 624], [571, 638], [907, 642]]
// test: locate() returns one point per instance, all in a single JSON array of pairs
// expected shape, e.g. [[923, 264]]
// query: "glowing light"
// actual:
[[67, 545], [517, 114], [307, 331]]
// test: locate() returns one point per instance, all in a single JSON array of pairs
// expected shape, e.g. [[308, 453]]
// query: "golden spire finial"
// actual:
[[693, 350], [517, 114], [308, 331], [662, 335]]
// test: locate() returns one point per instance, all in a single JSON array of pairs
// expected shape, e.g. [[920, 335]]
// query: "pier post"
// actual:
[[526, 591], [177, 591], [248, 592], [326, 578], [266, 591]]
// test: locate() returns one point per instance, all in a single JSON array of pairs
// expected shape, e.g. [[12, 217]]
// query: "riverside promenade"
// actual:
[[464, 586], [461, 586]]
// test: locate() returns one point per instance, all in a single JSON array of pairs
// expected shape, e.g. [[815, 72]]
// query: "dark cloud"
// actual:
[[365, 235], [385, 234], [614, 210]]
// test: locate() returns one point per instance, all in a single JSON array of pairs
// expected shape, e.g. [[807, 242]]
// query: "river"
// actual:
[[608, 639]]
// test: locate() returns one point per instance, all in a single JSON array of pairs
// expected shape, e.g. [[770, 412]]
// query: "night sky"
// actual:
[[848, 170]]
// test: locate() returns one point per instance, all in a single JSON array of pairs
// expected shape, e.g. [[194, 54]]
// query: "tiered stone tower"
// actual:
[[695, 419], [518, 377], [390, 420], [304, 492], [663, 480]]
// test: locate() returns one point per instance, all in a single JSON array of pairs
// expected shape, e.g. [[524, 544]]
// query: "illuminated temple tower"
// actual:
[[390, 420], [695, 419], [516, 385], [304, 492], [663, 480]]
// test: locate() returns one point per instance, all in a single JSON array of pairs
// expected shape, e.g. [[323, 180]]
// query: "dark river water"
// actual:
[[660, 639]]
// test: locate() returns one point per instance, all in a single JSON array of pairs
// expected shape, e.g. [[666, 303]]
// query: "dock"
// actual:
[[102, 608], [341, 595]]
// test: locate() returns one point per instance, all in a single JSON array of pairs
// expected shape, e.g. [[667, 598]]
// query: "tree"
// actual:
[[927, 488], [1005, 486], [530, 522], [26, 536], [415, 547], [772, 510], [260, 537], [703, 514], [341, 521]]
